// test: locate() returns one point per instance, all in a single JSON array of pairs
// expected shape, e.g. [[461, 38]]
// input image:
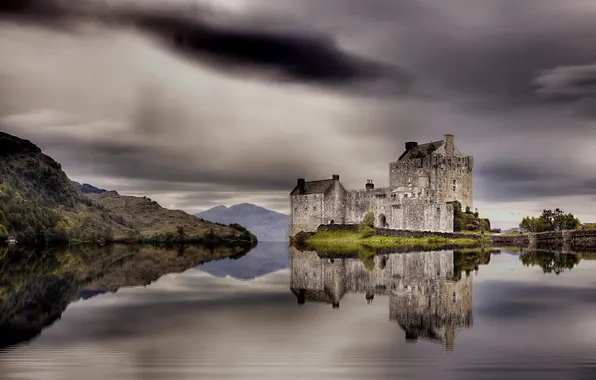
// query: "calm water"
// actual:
[[276, 314]]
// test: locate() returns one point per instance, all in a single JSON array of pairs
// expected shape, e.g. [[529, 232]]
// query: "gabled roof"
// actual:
[[314, 187], [421, 150], [424, 150]]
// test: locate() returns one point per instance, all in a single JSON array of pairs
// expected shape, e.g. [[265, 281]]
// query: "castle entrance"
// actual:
[[382, 221]]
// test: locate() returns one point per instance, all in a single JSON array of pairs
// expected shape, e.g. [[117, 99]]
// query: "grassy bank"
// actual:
[[351, 241]]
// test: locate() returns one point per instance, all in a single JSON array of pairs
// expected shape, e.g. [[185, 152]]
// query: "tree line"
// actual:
[[550, 220]]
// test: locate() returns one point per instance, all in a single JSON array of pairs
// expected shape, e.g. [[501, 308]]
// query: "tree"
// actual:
[[550, 220], [181, 233], [368, 221]]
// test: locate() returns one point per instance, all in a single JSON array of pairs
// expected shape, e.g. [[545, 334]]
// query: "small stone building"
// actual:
[[422, 182]]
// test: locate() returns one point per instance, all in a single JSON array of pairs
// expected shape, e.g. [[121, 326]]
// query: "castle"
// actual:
[[421, 183]]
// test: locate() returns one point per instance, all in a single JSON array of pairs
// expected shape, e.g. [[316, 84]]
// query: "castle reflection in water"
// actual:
[[427, 298]]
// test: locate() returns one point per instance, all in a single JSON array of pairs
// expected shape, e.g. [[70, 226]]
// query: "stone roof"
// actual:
[[314, 187], [421, 150], [427, 149]]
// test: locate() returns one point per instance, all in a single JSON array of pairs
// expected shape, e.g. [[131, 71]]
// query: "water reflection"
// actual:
[[36, 285], [429, 293], [550, 261]]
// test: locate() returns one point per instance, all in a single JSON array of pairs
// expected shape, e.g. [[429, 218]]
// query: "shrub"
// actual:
[[367, 231], [368, 221]]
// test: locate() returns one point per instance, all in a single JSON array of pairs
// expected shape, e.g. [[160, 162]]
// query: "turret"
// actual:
[[369, 184], [449, 144]]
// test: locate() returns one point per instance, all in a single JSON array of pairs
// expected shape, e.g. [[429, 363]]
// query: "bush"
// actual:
[[368, 221], [366, 232]]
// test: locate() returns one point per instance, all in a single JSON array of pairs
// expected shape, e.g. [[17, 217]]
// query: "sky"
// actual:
[[198, 103]]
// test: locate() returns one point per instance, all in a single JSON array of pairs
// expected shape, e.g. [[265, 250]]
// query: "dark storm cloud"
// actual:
[[518, 181], [480, 48], [512, 80], [295, 56], [567, 83]]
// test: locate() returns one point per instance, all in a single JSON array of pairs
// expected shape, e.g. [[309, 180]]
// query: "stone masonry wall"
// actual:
[[307, 213]]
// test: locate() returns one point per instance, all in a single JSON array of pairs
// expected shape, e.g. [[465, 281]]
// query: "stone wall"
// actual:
[[395, 210], [435, 175], [510, 240], [306, 213], [575, 239]]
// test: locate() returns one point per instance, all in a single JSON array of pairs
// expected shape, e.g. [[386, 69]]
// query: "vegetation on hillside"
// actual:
[[39, 204], [550, 220]]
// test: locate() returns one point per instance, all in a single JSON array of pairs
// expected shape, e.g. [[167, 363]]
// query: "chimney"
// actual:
[[411, 145], [300, 184], [335, 177], [449, 145], [369, 184]]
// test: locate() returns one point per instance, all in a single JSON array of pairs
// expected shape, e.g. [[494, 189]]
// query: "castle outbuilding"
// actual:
[[422, 182]]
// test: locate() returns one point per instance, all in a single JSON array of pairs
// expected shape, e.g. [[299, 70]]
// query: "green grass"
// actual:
[[351, 242], [516, 233], [476, 232]]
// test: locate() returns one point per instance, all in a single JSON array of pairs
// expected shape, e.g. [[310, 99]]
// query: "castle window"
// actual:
[[314, 208]]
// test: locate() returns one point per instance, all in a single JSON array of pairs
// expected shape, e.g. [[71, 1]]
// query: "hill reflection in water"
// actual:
[[36, 285]]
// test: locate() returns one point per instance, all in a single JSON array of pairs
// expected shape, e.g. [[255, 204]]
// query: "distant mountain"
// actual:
[[510, 230], [266, 224], [266, 258], [86, 188]]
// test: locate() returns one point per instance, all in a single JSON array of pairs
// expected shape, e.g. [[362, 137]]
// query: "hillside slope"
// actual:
[[266, 224], [150, 219], [39, 203]]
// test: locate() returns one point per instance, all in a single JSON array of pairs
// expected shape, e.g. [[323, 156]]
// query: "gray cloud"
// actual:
[[178, 115], [283, 55], [567, 82]]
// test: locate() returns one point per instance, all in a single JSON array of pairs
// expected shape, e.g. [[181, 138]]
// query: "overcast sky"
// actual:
[[235, 104]]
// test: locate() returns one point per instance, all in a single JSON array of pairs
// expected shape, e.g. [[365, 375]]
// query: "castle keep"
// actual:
[[421, 183]]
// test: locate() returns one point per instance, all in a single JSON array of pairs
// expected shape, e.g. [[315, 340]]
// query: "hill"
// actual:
[[266, 224], [40, 204], [86, 188]]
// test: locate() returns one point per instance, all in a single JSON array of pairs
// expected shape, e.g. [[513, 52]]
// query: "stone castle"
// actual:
[[425, 299], [421, 183]]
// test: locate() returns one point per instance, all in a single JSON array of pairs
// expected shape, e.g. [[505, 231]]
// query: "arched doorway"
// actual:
[[382, 221]]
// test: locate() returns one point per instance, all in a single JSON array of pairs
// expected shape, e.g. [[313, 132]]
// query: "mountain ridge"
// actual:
[[267, 225]]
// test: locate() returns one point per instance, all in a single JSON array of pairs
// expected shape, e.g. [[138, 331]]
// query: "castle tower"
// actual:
[[437, 170]]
